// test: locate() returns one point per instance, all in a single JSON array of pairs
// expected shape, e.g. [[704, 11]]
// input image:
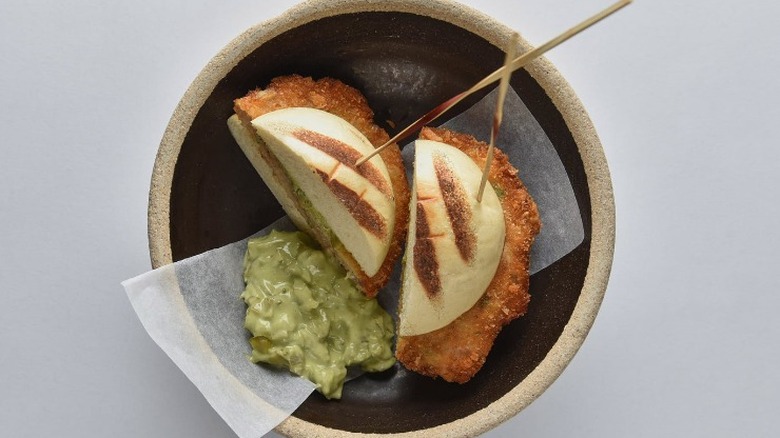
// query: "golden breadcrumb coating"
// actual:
[[337, 98], [457, 351]]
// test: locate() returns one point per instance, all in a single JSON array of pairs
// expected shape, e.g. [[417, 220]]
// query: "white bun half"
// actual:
[[454, 243], [317, 150]]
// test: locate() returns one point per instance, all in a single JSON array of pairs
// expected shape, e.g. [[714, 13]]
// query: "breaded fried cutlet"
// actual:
[[337, 98], [458, 350]]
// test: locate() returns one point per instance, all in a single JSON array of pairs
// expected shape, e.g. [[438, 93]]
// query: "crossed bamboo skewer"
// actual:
[[503, 74]]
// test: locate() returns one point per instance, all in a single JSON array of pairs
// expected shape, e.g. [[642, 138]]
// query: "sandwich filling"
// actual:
[[246, 141], [454, 243]]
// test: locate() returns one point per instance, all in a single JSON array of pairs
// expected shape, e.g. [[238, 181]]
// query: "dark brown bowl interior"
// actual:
[[405, 64]]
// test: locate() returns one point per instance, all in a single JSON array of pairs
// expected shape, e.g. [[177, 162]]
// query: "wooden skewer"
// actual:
[[498, 116], [519, 62]]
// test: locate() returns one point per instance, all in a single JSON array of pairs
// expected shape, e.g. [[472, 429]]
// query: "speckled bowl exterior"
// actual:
[[595, 263]]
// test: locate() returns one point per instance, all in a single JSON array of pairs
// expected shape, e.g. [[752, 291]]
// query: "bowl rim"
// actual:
[[560, 93]]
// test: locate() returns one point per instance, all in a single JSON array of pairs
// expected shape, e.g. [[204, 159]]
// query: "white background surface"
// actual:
[[684, 96]]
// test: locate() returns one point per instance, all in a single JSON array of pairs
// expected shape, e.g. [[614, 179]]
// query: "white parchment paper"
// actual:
[[192, 309]]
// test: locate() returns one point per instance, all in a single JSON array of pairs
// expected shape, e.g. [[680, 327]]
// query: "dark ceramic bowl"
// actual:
[[206, 194]]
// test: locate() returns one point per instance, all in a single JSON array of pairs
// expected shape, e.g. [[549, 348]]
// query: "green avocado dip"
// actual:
[[306, 315]]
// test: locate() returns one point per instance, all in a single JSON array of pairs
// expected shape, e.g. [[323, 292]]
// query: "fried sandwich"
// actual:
[[303, 136], [466, 267]]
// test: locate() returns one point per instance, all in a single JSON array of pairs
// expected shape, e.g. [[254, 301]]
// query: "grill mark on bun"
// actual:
[[333, 171], [425, 262], [365, 215], [346, 155], [458, 209]]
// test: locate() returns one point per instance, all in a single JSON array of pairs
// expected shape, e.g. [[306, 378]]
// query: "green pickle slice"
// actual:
[[305, 314]]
